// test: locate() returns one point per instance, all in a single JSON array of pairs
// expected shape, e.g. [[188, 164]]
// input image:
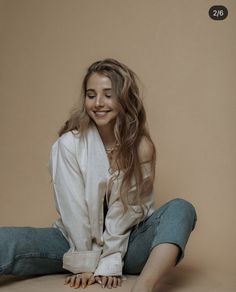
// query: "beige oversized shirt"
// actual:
[[79, 170]]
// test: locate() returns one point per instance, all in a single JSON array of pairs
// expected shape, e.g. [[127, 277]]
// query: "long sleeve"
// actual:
[[118, 228], [69, 191]]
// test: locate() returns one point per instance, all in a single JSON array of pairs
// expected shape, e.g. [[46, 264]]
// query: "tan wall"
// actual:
[[186, 62]]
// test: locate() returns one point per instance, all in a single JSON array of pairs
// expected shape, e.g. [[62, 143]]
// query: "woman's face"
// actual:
[[100, 101]]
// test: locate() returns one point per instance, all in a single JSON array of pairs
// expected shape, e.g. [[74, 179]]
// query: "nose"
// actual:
[[99, 101]]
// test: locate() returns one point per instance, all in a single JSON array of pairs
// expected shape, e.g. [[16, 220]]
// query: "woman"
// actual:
[[103, 168]]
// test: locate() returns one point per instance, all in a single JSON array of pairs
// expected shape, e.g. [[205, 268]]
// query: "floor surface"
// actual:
[[182, 279]]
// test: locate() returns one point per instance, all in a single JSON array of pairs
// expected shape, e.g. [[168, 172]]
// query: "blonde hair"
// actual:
[[130, 128]]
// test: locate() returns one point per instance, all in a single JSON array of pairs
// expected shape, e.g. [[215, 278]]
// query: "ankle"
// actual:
[[146, 282], [141, 287]]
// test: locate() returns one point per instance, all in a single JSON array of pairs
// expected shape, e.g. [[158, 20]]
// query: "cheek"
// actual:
[[87, 105], [115, 114], [117, 109], [114, 107]]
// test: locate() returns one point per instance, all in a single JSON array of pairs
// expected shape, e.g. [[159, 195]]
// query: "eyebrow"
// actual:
[[104, 89]]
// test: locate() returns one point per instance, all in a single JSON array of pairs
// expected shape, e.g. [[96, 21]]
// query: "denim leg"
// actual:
[[31, 251], [171, 223]]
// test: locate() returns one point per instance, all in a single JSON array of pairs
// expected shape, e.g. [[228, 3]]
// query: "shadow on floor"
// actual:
[[9, 279], [180, 277]]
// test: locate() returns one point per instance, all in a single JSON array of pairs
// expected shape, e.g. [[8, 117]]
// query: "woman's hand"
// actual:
[[108, 281], [80, 280]]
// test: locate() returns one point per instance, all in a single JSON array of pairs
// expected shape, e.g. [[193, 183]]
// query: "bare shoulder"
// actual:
[[145, 150]]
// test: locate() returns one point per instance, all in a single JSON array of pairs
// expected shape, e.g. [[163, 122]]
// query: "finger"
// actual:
[[91, 281], [104, 281], [67, 280], [115, 279], [98, 280], [119, 281], [84, 281], [109, 282], [72, 280], [77, 282]]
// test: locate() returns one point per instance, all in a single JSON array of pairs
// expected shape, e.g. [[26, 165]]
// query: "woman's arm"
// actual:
[[71, 205], [116, 234], [118, 224]]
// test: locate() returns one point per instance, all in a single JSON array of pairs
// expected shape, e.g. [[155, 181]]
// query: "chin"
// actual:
[[101, 124]]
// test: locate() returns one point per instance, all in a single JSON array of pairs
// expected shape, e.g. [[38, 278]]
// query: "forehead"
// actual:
[[98, 81]]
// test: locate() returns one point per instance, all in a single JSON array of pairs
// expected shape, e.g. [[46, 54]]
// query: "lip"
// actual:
[[101, 114], [102, 111]]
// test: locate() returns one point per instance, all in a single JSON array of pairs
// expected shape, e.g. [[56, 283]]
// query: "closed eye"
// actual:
[[91, 96]]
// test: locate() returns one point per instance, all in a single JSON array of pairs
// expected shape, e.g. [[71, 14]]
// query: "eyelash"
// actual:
[[92, 96]]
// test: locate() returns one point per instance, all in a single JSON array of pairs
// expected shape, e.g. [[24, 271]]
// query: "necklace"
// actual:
[[110, 150]]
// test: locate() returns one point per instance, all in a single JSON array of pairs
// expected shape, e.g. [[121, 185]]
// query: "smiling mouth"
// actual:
[[101, 113]]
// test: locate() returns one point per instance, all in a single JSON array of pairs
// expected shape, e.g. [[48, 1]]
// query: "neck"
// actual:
[[107, 136]]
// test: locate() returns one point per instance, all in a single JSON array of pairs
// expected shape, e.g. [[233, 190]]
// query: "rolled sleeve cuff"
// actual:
[[110, 265], [82, 261]]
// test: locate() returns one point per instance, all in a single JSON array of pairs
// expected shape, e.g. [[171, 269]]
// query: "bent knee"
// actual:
[[185, 208]]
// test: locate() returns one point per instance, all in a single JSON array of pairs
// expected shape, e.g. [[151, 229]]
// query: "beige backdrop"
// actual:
[[186, 62]]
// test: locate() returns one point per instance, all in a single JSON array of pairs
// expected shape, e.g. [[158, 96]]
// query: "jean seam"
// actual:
[[34, 255], [3, 267], [31, 255]]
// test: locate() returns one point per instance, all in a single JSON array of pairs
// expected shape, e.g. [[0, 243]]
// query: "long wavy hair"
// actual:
[[130, 127]]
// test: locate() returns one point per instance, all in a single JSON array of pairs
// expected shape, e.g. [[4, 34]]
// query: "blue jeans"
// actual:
[[39, 251]]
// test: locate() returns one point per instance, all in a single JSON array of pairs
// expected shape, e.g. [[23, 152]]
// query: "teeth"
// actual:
[[101, 113]]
